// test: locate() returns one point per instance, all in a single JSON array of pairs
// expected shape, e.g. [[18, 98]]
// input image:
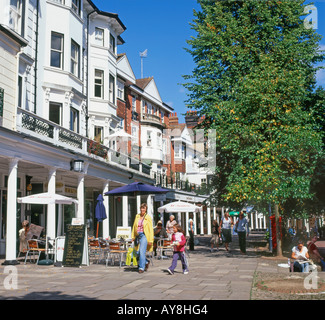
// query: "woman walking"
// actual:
[[225, 226], [143, 231]]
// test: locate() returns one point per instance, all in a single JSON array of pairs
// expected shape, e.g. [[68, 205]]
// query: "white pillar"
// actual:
[[179, 219], [195, 225], [252, 221], [215, 213], [256, 220], [186, 224], [11, 236], [150, 206], [106, 205], [208, 220], [201, 222], [81, 197], [51, 207], [125, 213], [59, 229], [138, 204], [162, 214]]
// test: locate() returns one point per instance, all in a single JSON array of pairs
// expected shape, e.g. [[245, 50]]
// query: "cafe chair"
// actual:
[[116, 249], [32, 249], [97, 250], [164, 246]]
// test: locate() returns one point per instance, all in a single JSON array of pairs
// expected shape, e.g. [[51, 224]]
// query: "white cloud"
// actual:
[[320, 77]]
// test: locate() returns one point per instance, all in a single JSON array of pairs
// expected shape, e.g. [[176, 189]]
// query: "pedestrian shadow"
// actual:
[[45, 295]]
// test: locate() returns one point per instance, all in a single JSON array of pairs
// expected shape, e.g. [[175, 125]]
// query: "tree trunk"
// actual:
[[278, 231]]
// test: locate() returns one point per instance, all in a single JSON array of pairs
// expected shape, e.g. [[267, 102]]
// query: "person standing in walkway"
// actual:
[[143, 231], [242, 227], [215, 235], [169, 226], [191, 229], [225, 227], [179, 242]]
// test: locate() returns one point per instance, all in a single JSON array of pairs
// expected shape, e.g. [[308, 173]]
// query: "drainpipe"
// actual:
[[36, 57], [87, 80]]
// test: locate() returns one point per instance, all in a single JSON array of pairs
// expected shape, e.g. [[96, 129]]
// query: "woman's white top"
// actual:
[[226, 223], [301, 253]]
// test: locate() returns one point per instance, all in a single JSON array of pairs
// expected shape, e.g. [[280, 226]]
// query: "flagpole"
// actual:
[[141, 67], [143, 55]]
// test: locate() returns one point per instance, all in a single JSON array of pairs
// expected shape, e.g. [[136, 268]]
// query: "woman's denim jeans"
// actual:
[[303, 267], [142, 250]]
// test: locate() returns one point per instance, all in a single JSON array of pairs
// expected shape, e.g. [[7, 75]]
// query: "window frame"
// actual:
[[61, 51], [75, 61], [120, 89], [100, 85], [59, 105], [76, 6], [74, 120], [100, 40], [112, 43], [111, 91]]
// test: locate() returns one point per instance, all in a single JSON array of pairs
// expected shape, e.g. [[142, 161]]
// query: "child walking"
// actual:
[[179, 242]]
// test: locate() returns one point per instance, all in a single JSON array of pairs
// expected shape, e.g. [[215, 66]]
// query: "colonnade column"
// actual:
[[51, 207], [81, 197], [208, 220], [201, 222], [138, 203], [106, 205], [186, 223], [125, 211], [11, 227], [195, 220]]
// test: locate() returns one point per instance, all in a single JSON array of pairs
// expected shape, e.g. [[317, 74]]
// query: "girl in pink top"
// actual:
[[179, 242]]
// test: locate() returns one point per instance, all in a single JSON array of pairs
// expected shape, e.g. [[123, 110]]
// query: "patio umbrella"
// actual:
[[234, 213], [179, 206], [46, 198], [119, 134], [100, 211], [135, 189]]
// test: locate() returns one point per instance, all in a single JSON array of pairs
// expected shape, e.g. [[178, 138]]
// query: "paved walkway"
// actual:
[[212, 276]]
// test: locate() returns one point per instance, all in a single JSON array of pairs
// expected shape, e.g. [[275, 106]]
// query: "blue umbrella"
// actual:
[[136, 188], [100, 211]]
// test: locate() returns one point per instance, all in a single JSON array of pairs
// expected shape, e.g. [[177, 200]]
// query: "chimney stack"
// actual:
[[173, 119], [191, 119]]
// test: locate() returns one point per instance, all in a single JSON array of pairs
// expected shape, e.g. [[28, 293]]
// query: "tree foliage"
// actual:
[[255, 81]]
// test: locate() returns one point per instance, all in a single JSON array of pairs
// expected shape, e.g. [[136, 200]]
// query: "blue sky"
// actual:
[[162, 27]]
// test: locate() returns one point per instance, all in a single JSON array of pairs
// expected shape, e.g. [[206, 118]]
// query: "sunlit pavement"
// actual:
[[213, 276]]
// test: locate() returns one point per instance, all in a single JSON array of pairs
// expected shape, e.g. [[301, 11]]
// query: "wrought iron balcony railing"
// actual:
[[33, 125]]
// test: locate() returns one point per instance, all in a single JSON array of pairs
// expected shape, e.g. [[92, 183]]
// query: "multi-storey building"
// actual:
[[59, 96], [66, 97]]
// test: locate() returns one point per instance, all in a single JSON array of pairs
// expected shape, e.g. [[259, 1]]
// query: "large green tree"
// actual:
[[254, 80]]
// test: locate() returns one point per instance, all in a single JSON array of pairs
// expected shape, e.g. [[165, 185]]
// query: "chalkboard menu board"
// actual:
[[73, 246]]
